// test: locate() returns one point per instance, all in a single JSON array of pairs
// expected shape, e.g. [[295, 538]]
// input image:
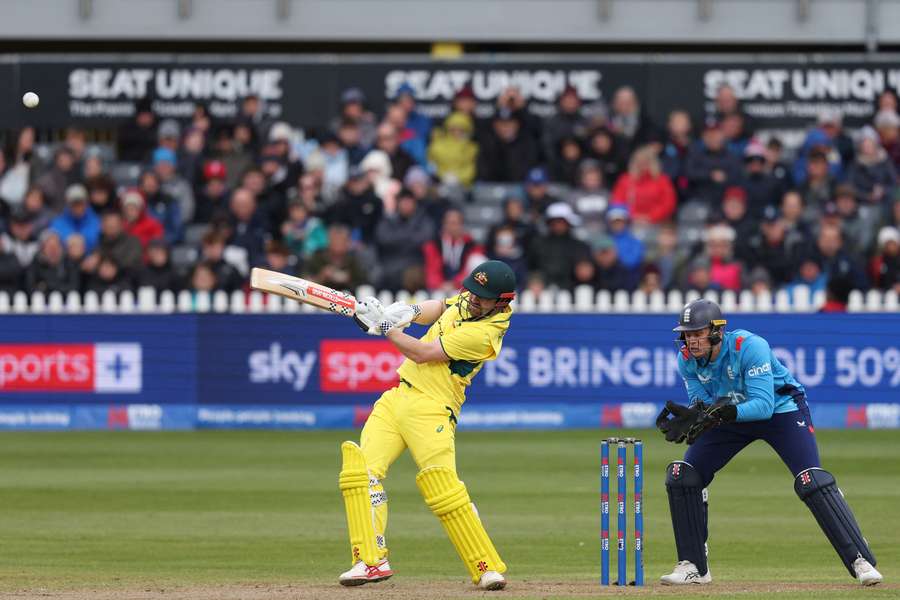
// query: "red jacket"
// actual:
[[454, 268], [726, 274], [146, 228], [649, 198]]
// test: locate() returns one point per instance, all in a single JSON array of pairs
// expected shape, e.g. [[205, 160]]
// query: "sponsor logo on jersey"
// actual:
[[759, 369]]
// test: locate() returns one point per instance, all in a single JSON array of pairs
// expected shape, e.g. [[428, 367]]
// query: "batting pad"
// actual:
[[354, 484], [448, 499], [818, 489]]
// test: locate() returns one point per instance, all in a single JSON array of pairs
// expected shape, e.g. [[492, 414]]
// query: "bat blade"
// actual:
[[303, 290]]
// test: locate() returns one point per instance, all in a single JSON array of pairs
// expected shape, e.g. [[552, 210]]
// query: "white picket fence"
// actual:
[[583, 300]]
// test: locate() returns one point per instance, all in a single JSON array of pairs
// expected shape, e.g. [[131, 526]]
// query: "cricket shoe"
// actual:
[[492, 580], [686, 572], [865, 572], [361, 573]]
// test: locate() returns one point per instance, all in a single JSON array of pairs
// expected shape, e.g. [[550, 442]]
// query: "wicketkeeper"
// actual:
[[739, 392], [421, 414]]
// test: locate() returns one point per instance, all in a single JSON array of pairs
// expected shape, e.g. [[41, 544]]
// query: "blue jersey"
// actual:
[[745, 371]]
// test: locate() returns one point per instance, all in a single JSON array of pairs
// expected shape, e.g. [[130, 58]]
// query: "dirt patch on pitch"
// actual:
[[413, 590]]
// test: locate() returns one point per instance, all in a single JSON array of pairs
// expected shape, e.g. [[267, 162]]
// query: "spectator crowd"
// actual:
[[597, 194]]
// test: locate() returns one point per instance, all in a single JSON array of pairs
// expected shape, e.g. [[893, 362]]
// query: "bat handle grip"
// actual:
[[360, 324]]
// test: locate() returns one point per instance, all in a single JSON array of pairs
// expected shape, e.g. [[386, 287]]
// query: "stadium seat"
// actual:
[[482, 214], [890, 301], [545, 301], [675, 301], [385, 297], [125, 174], [255, 305], [20, 302], [146, 299], [274, 303], [603, 301], [220, 301], [238, 302], [783, 301], [563, 301], [657, 302], [73, 302], [874, 300], [183, 257], [802, 302], [639, 301], [584, 298], [166, 301], [109, 303], [526, 302], [712, 295], [495, 192], [764, 301], [364, 291], [855, 302], [193, 234], [202, 301], [621, 301]]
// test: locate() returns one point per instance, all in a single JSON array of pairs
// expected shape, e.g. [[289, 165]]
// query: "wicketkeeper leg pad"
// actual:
[[686, 504], [818, 489], [448, 499], [363, 499]]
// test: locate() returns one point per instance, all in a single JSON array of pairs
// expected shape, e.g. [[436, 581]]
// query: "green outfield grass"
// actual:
[[129, 511]]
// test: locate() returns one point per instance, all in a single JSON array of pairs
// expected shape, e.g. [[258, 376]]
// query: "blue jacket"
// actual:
[[88, 226], [747, 372]]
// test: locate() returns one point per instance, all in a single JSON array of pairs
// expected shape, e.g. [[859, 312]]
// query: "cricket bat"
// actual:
[[305, 291]]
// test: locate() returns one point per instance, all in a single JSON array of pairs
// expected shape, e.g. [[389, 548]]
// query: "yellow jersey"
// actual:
[[467, 344]]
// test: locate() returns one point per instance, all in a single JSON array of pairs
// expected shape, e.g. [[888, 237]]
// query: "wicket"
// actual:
[[622, 527]]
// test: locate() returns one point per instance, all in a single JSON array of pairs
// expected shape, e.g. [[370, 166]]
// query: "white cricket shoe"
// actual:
[[361, 573], [685, 572], [865, 572], [492, 580]]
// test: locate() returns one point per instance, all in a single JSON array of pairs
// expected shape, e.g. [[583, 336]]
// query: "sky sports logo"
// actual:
[[100, 368]]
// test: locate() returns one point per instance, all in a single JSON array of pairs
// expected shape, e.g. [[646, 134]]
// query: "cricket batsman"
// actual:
[[739, 392], [421, 413]]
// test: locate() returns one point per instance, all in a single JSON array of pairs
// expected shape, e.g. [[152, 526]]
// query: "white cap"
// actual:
[[377, 160], [281, 132], [886, 118], [561, 210], [888, 234], [720, 231]]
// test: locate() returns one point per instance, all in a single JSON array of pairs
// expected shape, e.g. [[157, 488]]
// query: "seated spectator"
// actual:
[[137, 137], [537, 194], [759, 281], [831, 121], [214, 195], [309, 193], [872, 174], [630, 122], [428, 196], [76, 253], [673, 157], [837, 294], [158, 271], [450, 255], [377, 167], [763, 189], [797, 219], [101, 194], [710, 168], [108, 278], [303, 233], [566, 123], [410, 141], [858, 223], [770, 250], [337, 266], [203, 278], [78, 217], [590, 198], [885, 265], [651, 279], [415, 121], [645, 189], [248, 226], [666, 255], [887, 123], [388, 141], [809, 275], [58, 179], [508, 240], [190, 156], [554, 253], [817, 141], [629, 248], [34, 205], [399, 240], [169, 135], [836, 261], [698, 276], [336, 163], [611, 274], [453, 152], [279, 258], [507, 152], [19, 239], [234, 158], [584, 273], [736, 134], [212, 253], [734, 214], [776, 166], [567, 158], [51, 270], [172, 184], [350, 137], [118, 244], [358, 207], [818, 186], [725, 272], [138, 221], [353, 109], [161, 207], [607, 149]]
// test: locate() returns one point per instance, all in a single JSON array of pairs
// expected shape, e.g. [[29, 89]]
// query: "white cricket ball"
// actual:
[[30, 99]]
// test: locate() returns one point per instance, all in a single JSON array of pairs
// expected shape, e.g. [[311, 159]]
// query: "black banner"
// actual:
[[776, 95]]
